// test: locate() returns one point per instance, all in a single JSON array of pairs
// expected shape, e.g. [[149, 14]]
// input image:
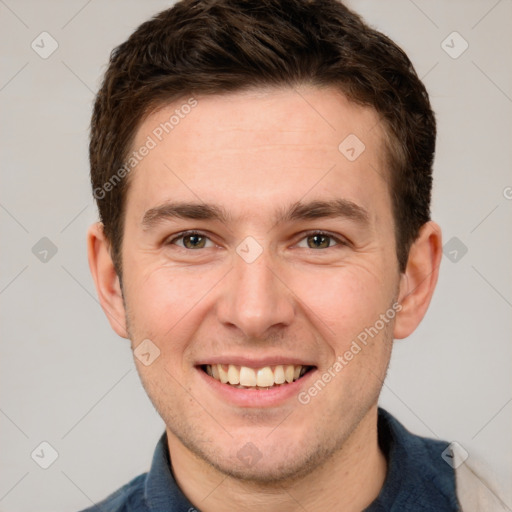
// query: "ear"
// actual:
[[419, 280], [106, 278]]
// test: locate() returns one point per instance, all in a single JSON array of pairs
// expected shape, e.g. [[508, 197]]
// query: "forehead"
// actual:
[[248, 149]]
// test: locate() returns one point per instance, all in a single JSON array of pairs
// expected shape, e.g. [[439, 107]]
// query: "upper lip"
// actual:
[[254, 362]]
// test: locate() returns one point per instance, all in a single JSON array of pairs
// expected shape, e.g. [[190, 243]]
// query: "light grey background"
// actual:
[[67, 379]]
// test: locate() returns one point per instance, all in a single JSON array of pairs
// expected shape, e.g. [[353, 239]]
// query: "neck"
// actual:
[[349, 480]]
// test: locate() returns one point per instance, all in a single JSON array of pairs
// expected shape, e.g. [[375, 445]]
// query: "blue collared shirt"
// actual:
[[418, 479]]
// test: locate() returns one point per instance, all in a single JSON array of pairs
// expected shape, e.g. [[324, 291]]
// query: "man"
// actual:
[[263, 174]]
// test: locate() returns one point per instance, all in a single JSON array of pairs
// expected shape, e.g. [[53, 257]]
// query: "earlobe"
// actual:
[[106, 279], [419, 280]]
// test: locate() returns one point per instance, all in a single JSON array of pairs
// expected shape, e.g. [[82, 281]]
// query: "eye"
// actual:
[[320, 240], [191, 240], [313, 240]]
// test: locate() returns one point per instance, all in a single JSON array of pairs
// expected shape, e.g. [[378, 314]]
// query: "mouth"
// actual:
[[264, 378]]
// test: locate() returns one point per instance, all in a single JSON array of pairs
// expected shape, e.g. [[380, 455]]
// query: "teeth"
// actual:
[[233, 375], [279, 377], [266, 377], [247, 376], [223, 374], [288, 373]]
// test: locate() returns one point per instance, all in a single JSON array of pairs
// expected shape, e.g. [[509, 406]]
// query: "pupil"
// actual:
[[317, 241], [194, 240]]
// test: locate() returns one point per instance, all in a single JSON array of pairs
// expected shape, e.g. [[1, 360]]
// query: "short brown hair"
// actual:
[[218, 46]]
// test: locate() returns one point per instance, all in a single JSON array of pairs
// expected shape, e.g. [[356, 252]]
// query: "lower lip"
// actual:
[[272, 397]]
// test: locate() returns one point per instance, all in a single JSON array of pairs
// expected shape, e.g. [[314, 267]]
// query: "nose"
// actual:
[[255, 298]]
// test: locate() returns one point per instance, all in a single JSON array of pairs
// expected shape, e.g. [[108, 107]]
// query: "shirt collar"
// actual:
[[161, 491], [417, 474]]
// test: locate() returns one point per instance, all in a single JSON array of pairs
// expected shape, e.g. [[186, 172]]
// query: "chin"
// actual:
[[265, 461], [271, 471]]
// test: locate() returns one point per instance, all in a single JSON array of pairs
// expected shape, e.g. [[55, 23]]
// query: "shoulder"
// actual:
[[432, 474], [418, 476], [417, 454], [476, 488], [129, 498]]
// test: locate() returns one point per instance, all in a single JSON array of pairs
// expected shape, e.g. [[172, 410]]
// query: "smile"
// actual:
[[266, 377]]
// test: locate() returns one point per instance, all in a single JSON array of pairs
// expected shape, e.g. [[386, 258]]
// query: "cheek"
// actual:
[[164, 301], [342, 301]]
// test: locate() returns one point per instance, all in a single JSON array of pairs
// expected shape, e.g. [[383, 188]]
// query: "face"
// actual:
[[256, 250]]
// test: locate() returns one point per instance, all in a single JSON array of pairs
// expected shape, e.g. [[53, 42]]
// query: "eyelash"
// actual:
[[339, 241]]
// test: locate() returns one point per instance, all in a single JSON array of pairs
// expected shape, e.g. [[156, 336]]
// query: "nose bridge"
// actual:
[[256, 300]]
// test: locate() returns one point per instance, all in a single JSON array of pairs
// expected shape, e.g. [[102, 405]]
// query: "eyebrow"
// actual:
[[336, 208]]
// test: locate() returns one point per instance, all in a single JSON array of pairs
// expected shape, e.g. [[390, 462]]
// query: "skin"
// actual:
[[251, 153]]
